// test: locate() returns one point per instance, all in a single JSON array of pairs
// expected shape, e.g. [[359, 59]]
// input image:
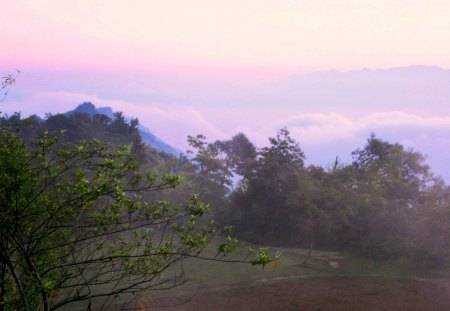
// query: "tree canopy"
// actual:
[[85, 220], [78, 224]]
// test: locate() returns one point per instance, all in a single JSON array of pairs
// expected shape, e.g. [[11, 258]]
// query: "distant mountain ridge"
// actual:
[[148, 137], [394, 74], [406, 89]]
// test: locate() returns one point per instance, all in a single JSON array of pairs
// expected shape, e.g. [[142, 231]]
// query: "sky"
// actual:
[[210, 36], [321, 68]]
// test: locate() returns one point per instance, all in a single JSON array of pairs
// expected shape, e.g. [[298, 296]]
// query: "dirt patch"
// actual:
[[282, 278], [332, 258], [320, 293], [319, 254], [333, 264]]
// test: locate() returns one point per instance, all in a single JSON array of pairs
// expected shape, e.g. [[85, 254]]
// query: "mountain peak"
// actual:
[[413, 69], [148, 137], [86, 107]]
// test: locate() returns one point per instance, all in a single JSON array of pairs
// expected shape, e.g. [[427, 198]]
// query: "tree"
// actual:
[[240, 155], [262, 201], [7, 81], [430, 228], [74, 226], [207, 173], [389, 182]]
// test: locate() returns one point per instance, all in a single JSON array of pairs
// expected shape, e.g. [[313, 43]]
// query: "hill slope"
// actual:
[[148, 137]]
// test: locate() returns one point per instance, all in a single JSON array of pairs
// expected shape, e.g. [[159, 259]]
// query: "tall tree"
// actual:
[[262, 202], [240, 154], [207, 173], [389, 182], [75, 226]]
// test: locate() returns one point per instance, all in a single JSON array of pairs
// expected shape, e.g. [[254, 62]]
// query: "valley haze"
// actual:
[[330, 113], [332, 72]]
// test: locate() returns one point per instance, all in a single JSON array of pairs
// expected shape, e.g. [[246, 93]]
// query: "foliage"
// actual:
[[240, 155], [208, 165], [75, 225], [385, 204], [87, 215], [261, 199], [7, 81], [388, 182]]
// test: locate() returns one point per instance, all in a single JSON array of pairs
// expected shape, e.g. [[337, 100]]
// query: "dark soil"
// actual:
[[320, 293]]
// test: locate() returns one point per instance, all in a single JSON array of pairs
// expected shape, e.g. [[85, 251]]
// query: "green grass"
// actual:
[[355, 266], [213, 274], [204, 275], [352, 265]]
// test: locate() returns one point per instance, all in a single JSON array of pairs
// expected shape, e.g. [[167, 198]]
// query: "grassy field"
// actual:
[[328, 281]]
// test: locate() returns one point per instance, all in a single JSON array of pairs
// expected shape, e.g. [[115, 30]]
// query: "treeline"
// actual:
[[385, 204], [93, 224], [78, 126]]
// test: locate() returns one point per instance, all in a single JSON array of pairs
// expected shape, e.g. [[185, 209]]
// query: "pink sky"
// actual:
[[203, 66], [267, 37]]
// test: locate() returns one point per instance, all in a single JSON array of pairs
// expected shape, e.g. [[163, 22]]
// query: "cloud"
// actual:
[[173, 124], [408, 129], [312, 128], [403, 119], [323, 128], [323, 136]]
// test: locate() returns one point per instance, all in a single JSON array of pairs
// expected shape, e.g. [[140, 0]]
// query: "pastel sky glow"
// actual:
[[218, 35], [252, 66]]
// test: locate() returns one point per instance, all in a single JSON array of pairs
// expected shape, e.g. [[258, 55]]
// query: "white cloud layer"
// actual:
[[323, 128], [322, 136]]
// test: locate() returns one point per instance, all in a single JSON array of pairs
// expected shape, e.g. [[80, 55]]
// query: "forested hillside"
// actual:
[[385, 204], [147, 136], [124, 212], [91, 216]]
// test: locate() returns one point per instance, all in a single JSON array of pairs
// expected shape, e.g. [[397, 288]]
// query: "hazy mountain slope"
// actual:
[[147, 136], [357, 92]]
